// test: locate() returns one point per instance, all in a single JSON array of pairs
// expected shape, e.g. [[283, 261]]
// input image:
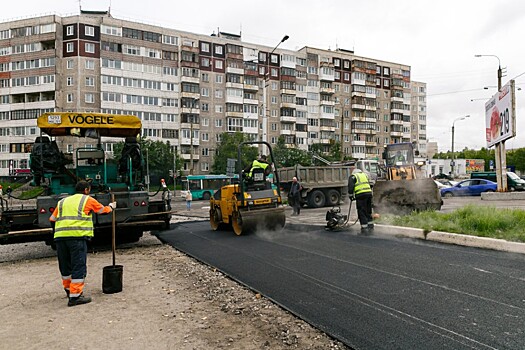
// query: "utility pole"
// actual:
[[191, 146], [174, 171]]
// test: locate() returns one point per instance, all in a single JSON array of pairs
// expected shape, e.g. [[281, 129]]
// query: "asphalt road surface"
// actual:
[[374, 292]]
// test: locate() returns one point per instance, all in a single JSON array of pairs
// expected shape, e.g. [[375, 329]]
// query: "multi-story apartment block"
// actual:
[[418, 115], [189, 88]]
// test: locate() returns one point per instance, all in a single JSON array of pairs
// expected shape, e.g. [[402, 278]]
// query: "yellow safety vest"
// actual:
[[361, 184], [257, 164], [71, 220]]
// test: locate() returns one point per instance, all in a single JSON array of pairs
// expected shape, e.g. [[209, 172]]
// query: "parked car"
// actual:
[[442, 176], [449, 183], [441, 185], [514, 182], [470, 187]]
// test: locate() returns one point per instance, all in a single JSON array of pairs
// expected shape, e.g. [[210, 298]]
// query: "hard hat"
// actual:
[[356, 171]]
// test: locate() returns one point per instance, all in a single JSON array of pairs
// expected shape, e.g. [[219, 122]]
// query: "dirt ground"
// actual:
[[169, 301]]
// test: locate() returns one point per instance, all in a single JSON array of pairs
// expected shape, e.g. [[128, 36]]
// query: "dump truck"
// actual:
[[401, 187], [254, 203], [322, 185], [60, 158]]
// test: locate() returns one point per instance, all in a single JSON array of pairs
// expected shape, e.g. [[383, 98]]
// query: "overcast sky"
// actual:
[[438, 39]]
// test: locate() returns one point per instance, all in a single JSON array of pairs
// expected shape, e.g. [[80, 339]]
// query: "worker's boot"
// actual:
[[74, 301], [370, 227], [67, 292]]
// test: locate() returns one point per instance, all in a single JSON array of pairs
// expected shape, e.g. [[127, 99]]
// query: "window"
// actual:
[[70, 47], [69, 81], [219, 50], [205, 47], [90, 98], [218, 64], [69, 98], [70, 30], [89, 31], [218, 79], [90, 48], [90, 64], [69, 64], [218, 123], [90, 81]]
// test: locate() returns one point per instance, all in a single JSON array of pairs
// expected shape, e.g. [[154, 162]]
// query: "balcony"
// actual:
[[358, 106], [324, 141], [188, 110], [287, 105], [186, 79], [357, 143], [359, 155], [397, 110], [193, 95], [229, 84], [327, 103], [370, 108], [363, 119], [234, 99], [235, 70], [396, 122], [370, 144], [287, 119], [288, 91], [326, 90], [187, 142], [396, 133], [250, 87], [186, 156], [397, 99], [287, 132], [234, 114], [327, 128], [364, 131], [329, 116]]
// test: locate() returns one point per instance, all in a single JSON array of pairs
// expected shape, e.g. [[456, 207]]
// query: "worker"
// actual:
[[258, 163], [295, 194], [359, 190], [8, 191], [166, 194], [399, 157], [73, 227], [1, 197]]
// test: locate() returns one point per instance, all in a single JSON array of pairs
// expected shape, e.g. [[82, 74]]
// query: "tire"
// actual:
[[487, 191], [448, 195], [333, 197], [316, 199], [511, 189], [206, 196]]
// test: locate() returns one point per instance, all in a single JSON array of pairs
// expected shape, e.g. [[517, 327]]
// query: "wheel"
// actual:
[[333, 197], [206, 196], [487, 191], [448, 195], [215, 218], [316, 199], [237, 223], [511, 189]]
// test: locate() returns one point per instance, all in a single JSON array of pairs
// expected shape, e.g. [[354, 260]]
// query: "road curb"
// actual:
[[454, 238]]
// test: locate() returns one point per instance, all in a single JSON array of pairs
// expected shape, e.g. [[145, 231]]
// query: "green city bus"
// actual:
[[204, 186]]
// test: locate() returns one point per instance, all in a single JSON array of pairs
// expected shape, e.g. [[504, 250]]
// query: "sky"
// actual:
[[437, 39]]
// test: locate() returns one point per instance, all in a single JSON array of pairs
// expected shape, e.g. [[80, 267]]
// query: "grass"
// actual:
[[481, 221]]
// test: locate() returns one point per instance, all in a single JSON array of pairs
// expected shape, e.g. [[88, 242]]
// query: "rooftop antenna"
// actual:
[[80, 5]]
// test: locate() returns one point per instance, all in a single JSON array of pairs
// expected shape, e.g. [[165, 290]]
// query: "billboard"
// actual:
[[474, 165], [500, 116]]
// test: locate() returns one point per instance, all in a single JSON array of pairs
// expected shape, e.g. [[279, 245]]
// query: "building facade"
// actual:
[[190, 88]]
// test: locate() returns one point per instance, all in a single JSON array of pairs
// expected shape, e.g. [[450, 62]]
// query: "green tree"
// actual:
[[158, 153], [227, 148], [288, 157]]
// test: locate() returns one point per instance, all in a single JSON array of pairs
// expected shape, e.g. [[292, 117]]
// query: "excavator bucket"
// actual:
[[401, 197]]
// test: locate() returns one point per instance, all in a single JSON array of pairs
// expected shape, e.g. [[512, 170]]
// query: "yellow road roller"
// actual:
[[252, 204]]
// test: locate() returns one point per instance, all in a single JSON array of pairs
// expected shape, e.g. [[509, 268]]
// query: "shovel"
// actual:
[[112, 275]]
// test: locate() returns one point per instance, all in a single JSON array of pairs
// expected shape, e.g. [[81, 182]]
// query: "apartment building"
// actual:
[[190, 88]]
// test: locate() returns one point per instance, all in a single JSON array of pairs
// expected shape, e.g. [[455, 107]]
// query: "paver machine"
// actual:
[[401, 189], [254, 203], [70, 149]]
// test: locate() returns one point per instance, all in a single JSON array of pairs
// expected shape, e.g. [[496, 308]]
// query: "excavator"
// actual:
[[253, 204], [401, 188]]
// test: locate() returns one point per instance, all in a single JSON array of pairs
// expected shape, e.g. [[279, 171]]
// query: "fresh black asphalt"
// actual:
[[374, 292]]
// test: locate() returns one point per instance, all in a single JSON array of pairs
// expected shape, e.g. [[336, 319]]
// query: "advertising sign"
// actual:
[[500, 117], [474, 165]]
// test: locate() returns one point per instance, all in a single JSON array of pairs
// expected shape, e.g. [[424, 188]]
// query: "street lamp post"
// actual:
[[452, 166], [265, 86], [501, 161]]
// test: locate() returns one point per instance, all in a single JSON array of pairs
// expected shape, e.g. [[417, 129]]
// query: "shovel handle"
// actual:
[[113, 229]]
